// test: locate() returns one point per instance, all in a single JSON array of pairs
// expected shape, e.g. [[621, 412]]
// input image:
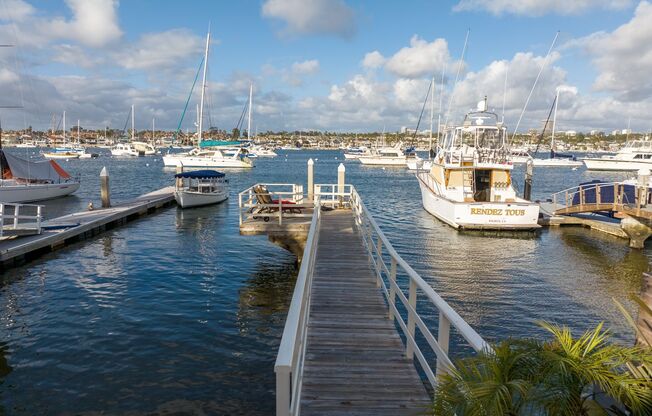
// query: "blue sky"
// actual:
[[306, 59]]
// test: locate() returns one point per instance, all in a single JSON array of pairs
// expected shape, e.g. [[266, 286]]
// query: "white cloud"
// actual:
[[16, 10], [94, 23], [624, 56], [373, 60], [305, 67], [538, 7], [420, 59], [332, 17], [161, 50]]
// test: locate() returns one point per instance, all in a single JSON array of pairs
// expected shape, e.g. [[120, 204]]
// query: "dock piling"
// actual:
[[105, 192], [527, 187], [311, 180]]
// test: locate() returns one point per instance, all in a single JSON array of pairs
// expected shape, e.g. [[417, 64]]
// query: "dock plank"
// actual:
[[355, 360]]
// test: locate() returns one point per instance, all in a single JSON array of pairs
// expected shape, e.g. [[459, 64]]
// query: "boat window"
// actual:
[[489, 139], [638, 157]]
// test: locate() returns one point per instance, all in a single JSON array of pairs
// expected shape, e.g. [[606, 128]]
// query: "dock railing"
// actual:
[[15, 217], [600, 196], [250, 207], [387, 263], [291, 352]]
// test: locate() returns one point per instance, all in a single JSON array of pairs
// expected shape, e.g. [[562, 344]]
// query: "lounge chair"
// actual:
[[263, 197]]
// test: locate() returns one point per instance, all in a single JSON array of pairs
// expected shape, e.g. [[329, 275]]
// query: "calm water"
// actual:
[[177, 312]]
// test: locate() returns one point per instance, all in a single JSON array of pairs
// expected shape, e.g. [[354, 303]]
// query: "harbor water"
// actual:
[[177, 313]]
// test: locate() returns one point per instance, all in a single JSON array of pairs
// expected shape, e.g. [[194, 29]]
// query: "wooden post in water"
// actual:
[[341, 171], [105, 191], [311, 180], [527, 187]]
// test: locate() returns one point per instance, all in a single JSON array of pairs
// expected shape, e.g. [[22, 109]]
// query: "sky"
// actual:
[[329, 65]]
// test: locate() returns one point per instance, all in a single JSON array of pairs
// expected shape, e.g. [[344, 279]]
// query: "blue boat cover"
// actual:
[[198, 174]]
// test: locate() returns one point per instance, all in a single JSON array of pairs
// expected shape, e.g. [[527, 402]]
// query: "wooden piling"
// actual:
[[105, 191], [311, 180], [341, 172]]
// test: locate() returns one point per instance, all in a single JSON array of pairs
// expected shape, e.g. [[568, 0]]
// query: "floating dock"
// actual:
[[61, 231]]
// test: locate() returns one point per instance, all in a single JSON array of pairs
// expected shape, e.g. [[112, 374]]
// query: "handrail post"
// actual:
[[16, 213], [283, 388], [443, 338], [2, 219], [392, 291], [615, 198], [379, 263], [412, 301], [39, 210], [280, 211]]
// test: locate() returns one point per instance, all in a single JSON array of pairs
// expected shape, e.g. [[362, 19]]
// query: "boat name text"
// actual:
[[498, 211]]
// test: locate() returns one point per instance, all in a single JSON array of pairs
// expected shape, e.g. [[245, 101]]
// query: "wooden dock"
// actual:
[[71, 228], [355, 361]]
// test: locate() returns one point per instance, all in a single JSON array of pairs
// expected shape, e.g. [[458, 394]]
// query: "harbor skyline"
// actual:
[[321, 65]]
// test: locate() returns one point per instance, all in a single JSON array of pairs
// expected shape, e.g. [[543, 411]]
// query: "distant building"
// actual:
[[626, 131], [596, 133], [571, 133]]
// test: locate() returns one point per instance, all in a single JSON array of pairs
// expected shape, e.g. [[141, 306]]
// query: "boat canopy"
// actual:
[[219, 143], [199, 174], [14, 167]]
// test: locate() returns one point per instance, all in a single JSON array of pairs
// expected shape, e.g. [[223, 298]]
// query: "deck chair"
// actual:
[[263, 197]]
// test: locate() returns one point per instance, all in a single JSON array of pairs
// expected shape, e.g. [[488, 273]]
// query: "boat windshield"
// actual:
[[480, 140]]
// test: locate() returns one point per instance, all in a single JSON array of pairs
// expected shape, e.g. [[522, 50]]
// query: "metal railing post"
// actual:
[[2, 219], [39, 211], [412, 301], [443, 339], [379, 264], [392, 291], [283, 388], [16, 212], [280, 211]]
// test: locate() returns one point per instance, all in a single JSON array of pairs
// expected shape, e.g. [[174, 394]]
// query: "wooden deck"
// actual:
[[355, 360], [67, 229]]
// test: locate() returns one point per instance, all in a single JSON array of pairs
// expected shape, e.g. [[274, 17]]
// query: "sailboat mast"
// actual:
[[251, 98], [78, 138], [152, 129], [432, 111], [64, 126], [133, 122], [203, 86], [441, 101], [554, 122]]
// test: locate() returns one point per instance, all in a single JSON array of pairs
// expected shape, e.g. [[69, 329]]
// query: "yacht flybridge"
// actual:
[[469, 185]]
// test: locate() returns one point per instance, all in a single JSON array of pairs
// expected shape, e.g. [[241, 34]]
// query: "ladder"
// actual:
[[468, 186]]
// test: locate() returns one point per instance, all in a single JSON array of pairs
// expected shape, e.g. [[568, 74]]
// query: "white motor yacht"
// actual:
[[388, 156], [201, 187], [635, 155], [356, 152], [146, 148], [125, 150], [469, 185]]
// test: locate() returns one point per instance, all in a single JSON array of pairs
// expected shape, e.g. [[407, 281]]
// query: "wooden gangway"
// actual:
[[354, 300]]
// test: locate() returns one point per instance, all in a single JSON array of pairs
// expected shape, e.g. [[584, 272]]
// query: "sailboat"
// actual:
[[470, 184], [205, 158], [556, 159], [128, 149]]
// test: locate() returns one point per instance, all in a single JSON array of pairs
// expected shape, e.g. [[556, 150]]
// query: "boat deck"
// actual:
[[355, 361], [70, 228]]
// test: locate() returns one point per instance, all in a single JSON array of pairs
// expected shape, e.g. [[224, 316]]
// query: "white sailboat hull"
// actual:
[[61, 155], [22, 193], [556, 162], [616, 164], [480, 215], [205, 162], [188, 199], [383, 161]]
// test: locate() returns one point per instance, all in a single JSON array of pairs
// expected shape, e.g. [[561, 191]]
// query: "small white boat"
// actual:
[[144, 148], [125, 150], [25, 181], [262, 151], [519, 155], [635, 155], [201, 187], [470, 184], [62, 153], [356, 152], [417, 164]]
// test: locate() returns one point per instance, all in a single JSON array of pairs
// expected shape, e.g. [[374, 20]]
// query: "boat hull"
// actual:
[[508, 216], [615, 164], [551, 163], [61, 155], [202, 162], [383, 161], [414, 165], [188, 199], [36, 192]]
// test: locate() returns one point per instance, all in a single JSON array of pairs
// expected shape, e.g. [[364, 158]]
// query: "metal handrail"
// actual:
[[247, 201], [565, 198], [16, 217], [447, 315], [291, 352]]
